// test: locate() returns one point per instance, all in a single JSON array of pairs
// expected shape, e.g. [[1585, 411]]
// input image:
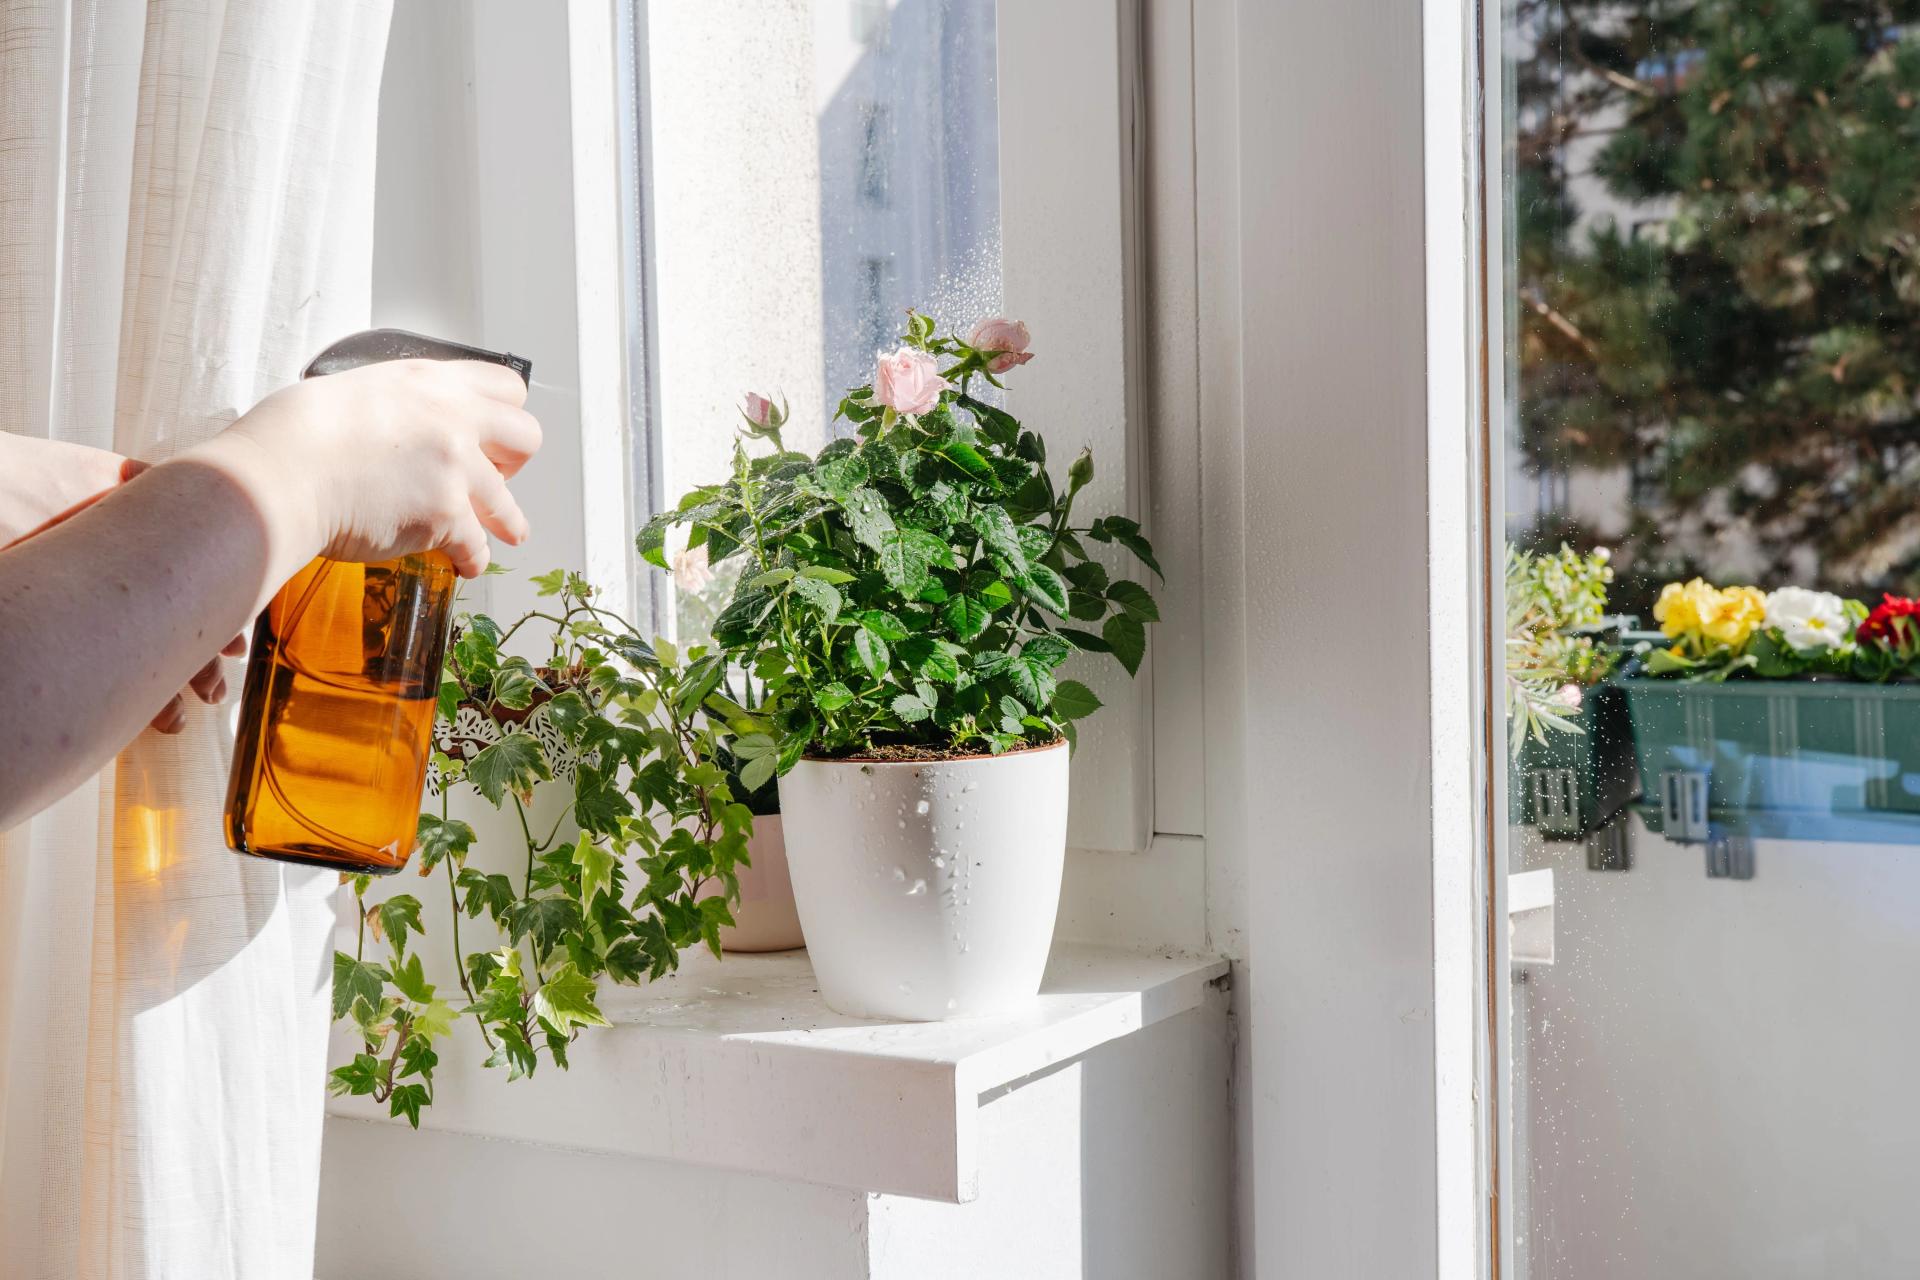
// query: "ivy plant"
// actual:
[[921, 582], [639, 865]]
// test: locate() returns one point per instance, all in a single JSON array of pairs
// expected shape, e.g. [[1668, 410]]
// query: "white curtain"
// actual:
[[186, 207]]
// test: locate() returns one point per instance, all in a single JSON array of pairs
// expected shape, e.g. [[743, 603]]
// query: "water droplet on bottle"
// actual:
[[923, 808], [971, 786], [900, 874], [902, 824], [919, 887], [939, 861]]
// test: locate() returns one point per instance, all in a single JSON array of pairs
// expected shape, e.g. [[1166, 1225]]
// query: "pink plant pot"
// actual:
[[766, 919]]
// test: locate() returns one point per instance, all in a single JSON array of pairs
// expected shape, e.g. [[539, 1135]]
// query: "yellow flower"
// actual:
[[1698, 614], [1736, 612], [1682, 608]]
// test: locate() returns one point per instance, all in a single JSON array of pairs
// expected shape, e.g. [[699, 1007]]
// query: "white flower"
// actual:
[[1570, 695], [691, 572], [1808, 619]]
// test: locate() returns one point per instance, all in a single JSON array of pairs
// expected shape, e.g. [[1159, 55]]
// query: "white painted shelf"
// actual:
[[737, 1064]]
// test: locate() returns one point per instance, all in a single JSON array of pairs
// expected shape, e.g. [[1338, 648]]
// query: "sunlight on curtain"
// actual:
[[186, 200]]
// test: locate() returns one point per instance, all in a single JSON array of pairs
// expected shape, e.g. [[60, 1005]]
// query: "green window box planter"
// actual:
[[1787, 759], [1573, 784]]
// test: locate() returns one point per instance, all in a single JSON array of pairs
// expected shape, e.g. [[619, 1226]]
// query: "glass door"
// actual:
[[1710, 280]]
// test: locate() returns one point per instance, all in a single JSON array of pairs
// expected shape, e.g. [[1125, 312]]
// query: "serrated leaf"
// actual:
[[771, 578], [831, 698], [1032, 679], [756, 773], [1044, 586], [826, 573], [841, 475], [1140, 548], [870, 651], [513, 764], [998, 532], [868, 518], [1135, 599], [910, 708], [549, 583], [966, 616], [823, 596], [1127, 639], [1048, 649], [883, 625], [967, 460], [1074, 701], [565, 1000], [903, 559]]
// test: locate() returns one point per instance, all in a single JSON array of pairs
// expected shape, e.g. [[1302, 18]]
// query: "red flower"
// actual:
[[1881, 628]]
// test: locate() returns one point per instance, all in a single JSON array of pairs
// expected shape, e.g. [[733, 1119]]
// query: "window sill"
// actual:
[[738, 1065]]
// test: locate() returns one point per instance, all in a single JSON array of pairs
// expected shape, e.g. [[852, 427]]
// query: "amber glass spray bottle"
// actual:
[[336, 716]]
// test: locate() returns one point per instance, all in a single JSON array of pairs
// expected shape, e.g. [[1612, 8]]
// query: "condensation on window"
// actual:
[[816, 167]]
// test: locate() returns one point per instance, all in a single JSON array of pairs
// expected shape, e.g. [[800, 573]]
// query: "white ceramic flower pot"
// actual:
[[766, 918], [928, 890]]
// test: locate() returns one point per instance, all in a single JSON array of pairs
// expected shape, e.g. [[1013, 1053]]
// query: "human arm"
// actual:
[[106, 614]]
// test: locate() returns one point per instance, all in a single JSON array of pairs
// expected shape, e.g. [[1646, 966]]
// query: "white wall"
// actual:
[[1717, 1074]]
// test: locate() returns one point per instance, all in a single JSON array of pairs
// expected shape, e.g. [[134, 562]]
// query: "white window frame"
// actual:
[[1367, 1083]]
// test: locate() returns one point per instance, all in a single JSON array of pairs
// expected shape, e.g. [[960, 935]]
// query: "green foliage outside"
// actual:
[[1743, 328]]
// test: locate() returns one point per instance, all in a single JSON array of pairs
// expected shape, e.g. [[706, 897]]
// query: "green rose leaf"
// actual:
[[871, 652], [831, 698], [911, 708], [1127, 639], [998, 532], [966, 616], [823, 596], [1134, 599], [1045, 587], [868, 517], [1074, 701]]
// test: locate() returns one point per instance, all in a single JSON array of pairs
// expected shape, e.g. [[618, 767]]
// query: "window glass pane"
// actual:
[[812, 172], [1711, 281]]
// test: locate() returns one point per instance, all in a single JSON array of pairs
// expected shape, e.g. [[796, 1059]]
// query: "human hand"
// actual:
[[390, 459], [43, 482]]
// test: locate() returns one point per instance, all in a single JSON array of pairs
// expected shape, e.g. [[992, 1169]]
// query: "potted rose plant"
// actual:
[[907, 601]]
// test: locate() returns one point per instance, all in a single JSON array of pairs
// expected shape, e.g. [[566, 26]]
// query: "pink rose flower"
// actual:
[[691, 572], [759, 409], [1008, 338], [908, 381]]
